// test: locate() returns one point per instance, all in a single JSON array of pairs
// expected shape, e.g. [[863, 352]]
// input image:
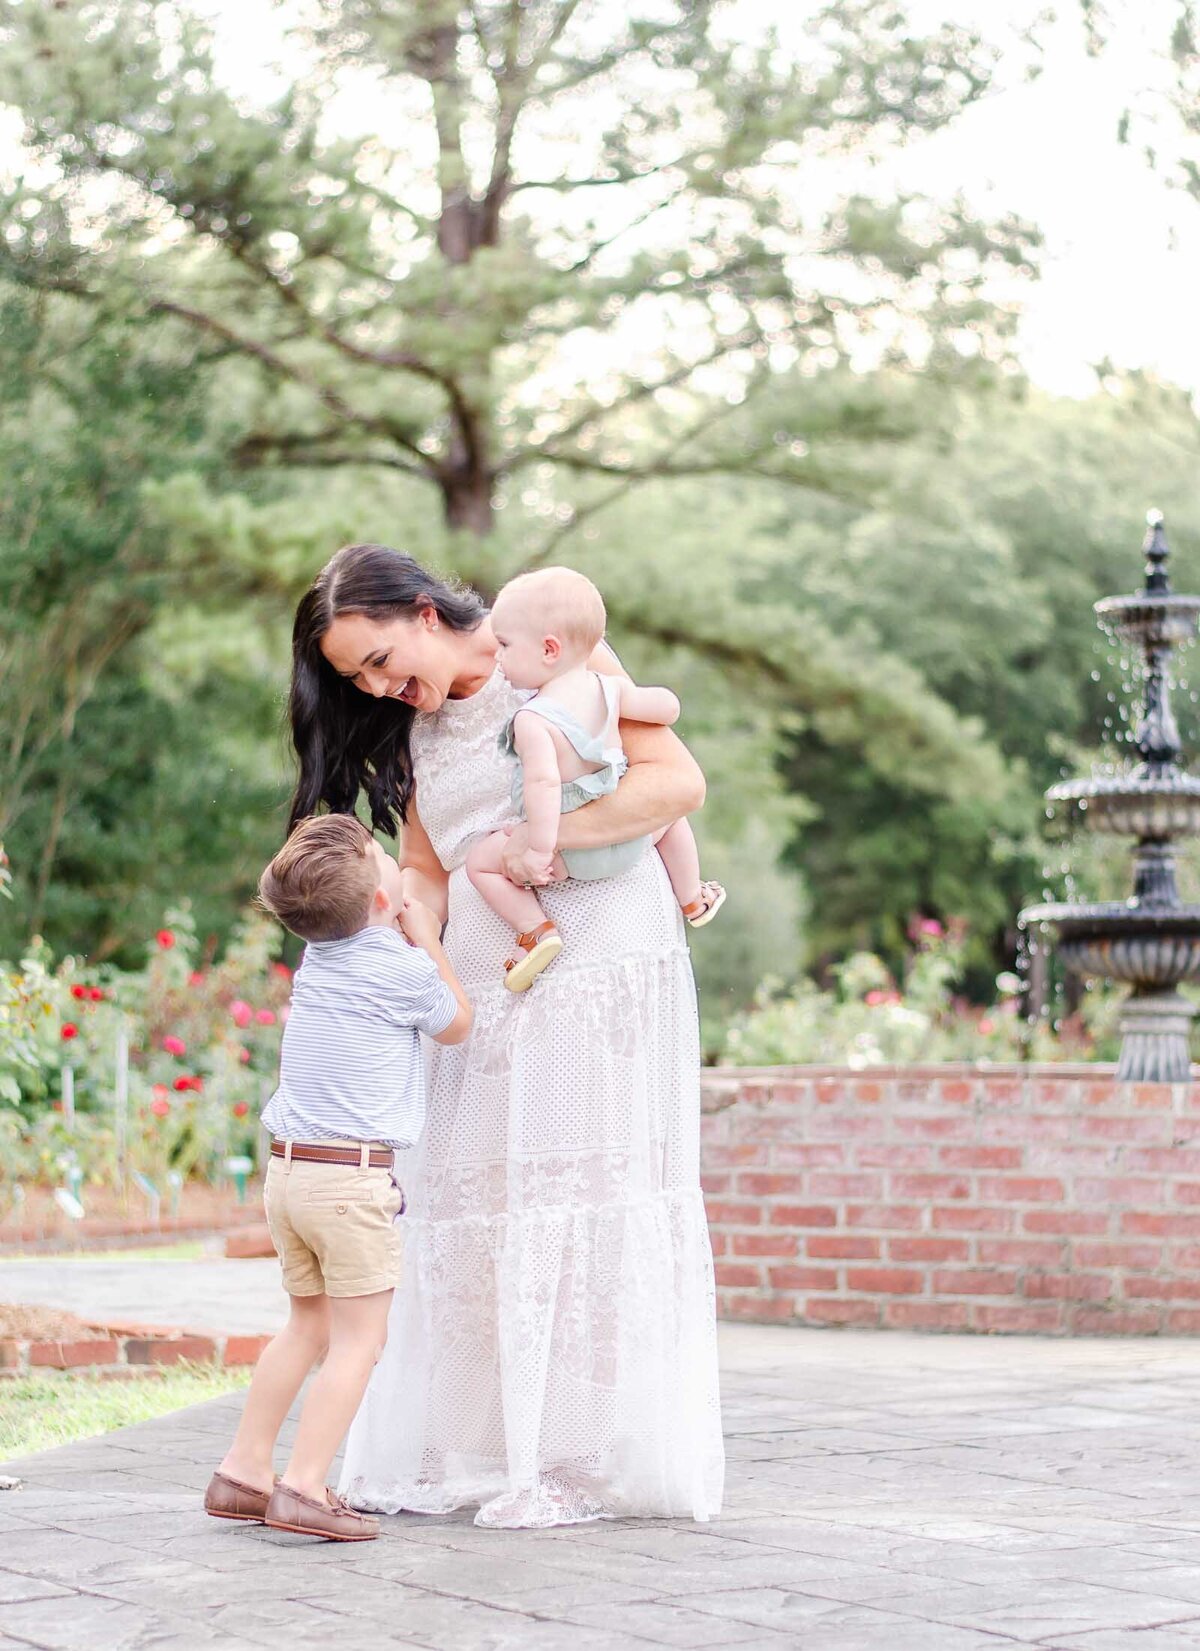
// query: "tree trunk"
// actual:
[[467, 496]]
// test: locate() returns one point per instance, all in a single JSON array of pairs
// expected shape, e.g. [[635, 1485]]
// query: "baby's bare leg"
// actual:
[[519, 908], [677, 847]]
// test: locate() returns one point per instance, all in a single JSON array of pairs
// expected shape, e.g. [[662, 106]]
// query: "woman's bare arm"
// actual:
[[662, 784], [422, 874]]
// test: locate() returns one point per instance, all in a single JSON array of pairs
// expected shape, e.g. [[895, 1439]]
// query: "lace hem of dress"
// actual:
[[561, 1496]]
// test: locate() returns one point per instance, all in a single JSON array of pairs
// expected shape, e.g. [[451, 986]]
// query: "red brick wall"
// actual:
[[953, 1198]]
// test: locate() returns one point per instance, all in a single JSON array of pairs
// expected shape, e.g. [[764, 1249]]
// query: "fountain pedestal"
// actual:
[[1152, 940], [1155, 1029]]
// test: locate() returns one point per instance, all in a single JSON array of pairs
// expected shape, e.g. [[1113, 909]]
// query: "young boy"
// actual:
[[351, 1089]]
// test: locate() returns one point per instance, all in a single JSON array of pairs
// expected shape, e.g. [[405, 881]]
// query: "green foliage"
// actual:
[[203, 1041], [563, 175], [870, 1019]]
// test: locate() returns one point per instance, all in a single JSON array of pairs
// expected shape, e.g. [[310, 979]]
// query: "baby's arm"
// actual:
[[647, 704], [543, 781]]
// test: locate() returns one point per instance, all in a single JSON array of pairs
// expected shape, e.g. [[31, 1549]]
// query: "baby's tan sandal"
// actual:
[[702, 911], [540, 946]]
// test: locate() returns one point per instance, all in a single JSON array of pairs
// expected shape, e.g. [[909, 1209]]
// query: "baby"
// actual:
[[568, 750]]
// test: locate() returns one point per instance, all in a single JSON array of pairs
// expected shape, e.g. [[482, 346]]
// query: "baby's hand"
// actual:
[[419, 924]]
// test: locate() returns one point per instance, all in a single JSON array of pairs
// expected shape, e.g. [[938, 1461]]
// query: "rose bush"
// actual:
[[868, 1018], [203, 1040]]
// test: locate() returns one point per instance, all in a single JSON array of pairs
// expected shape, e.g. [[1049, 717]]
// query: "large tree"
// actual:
[[646, 183]]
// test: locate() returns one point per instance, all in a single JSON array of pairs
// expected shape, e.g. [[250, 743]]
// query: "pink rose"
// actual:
[[265, 1017], [242, 1013], [174, 1045]]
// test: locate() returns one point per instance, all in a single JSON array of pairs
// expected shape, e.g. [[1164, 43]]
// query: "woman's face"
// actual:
[[406, 658]]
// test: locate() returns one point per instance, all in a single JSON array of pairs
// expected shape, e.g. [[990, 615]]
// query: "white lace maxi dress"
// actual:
[[552, 1351]]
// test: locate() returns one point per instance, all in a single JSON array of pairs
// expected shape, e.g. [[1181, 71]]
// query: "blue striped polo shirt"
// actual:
[[351, 1066]]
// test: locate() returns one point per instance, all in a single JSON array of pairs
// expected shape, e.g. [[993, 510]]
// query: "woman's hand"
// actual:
[[525, 866]]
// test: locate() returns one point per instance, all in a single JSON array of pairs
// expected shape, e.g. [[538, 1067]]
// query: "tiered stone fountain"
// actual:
[[1151, 940]]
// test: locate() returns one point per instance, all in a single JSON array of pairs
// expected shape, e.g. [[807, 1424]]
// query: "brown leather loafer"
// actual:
[[228, 1498], [335, 1520]]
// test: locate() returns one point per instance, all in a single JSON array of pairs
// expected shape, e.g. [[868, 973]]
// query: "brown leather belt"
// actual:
[[380, 1157]]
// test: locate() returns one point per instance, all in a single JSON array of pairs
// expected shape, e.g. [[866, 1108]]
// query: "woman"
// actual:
[[552, 1351]]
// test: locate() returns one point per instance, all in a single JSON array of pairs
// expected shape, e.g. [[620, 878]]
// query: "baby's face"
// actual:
[[522, 652]]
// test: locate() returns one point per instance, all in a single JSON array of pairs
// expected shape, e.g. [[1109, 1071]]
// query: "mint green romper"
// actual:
[[586, 864]]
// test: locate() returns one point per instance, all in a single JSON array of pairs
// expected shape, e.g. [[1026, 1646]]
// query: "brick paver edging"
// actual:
[[1045, 1199], [131, 1346]]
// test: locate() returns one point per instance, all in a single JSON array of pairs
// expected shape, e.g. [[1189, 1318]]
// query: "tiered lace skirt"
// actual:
[[552, 1350]]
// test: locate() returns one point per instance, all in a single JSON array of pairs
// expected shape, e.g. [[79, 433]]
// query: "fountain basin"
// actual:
[[1115, 940], [1150, 618], [1145, 805]]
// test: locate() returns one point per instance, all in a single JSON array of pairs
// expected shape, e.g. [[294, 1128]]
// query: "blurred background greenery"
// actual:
[[609, 286]]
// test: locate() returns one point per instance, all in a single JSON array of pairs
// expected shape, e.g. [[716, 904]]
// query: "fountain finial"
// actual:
[[1156, 550]]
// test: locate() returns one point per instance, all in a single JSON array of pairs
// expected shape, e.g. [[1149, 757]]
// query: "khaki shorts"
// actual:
[[333, 1227]]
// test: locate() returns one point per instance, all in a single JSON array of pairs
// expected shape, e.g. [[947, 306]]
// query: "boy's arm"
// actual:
[[419, 926], [459, 1028], [647, 704], [543, 781]]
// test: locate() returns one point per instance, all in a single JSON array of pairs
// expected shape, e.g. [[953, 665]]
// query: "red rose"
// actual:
[[160, 1108], [265, 1017], [70, 1030], [165, 939], [96, 995], [188, 1083], [240, 1109], [281, 970], [174, 1045], [79, 991], [196, 978]]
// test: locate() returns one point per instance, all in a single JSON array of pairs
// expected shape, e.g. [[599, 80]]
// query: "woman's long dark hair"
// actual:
[[345, 739]]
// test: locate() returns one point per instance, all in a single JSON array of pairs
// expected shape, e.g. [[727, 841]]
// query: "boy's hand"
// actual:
[[419, 924]]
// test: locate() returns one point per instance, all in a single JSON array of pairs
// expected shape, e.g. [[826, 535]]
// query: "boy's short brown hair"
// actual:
[[320, 883]]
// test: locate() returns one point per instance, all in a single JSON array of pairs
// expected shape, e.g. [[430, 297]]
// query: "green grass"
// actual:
[[48, 1408]]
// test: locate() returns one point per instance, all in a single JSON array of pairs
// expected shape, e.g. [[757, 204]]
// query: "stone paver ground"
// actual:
[[229, 1297], [886, 1493]]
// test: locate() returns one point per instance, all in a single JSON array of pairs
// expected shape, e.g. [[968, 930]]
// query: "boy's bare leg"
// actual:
[[520, 908], [358, 1330], [278, 1376]]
